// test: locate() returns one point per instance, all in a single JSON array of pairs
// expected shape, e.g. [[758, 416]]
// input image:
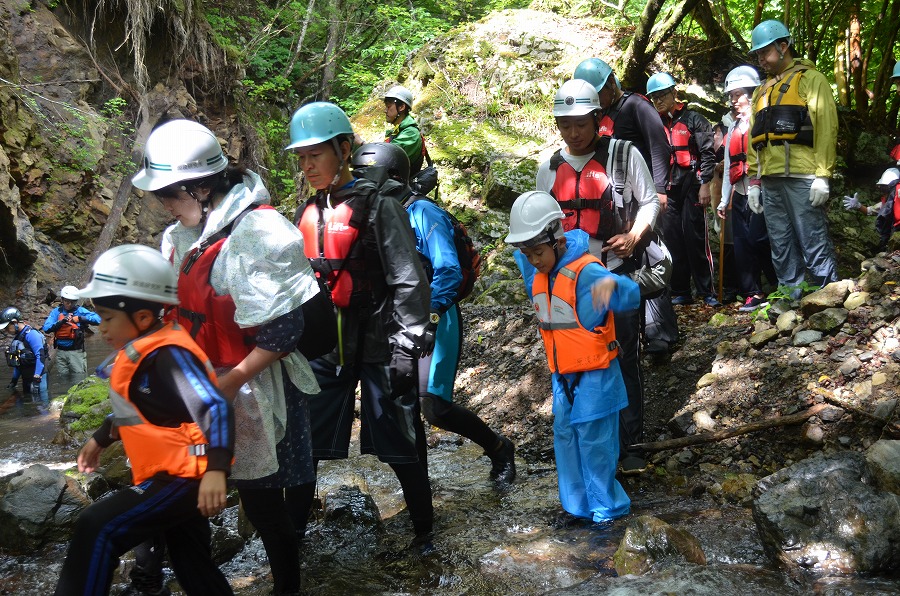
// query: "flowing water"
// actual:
[[488, 542]]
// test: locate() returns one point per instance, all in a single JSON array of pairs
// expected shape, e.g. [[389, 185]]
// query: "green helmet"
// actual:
[[660, 82], [316, 123], [896, 74], [593, 70], [768, 32]]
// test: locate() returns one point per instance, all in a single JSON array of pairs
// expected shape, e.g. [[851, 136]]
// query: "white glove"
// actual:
[[818, 192], [851, 203], [753, 199], [873, 210]]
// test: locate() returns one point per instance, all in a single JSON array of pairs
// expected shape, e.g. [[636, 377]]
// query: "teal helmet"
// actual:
[[660, 82], [896, 74], [593, 70], [316, 123], [768, 32]]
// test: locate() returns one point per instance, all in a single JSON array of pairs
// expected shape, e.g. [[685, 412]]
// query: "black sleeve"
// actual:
[[651, 129], [103, 435], [702, 133], [281, 334]]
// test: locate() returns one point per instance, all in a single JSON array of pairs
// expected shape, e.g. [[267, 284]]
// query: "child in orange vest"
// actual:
[[574, 298], [175, 425]]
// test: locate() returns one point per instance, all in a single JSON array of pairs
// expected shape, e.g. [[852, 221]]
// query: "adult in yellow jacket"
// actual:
[[791, 155]]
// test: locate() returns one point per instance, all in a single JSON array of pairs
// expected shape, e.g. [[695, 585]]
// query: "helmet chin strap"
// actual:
[[337, 175]]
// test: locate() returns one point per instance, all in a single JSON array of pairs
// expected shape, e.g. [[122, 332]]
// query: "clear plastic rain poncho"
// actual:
[[263, 268]]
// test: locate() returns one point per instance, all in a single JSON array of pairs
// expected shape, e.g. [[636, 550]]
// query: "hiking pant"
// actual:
[[753, 255], [631, 418], [72, 363], [437, 374], [117, 523], [798, 233], [685, 232]]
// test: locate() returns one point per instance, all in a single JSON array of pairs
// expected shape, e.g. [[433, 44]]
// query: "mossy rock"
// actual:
[[86, 405], [506, 180]]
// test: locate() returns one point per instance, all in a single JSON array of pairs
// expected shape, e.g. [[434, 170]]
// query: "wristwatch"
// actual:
[[434, 318]]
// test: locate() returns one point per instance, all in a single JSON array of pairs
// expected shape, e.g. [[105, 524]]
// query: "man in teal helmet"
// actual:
[[791, 156], [691, 166], [629, 116], [361, 246], [404, 131]]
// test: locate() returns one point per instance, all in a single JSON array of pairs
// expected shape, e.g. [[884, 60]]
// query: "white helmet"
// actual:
[[743, 76], [889, 176], [179, 150], [576, 97], [133, 271], [535, 218], [401, 93], [69, 293]]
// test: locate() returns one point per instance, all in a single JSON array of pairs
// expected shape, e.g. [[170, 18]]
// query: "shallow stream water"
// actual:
[[488, 541]]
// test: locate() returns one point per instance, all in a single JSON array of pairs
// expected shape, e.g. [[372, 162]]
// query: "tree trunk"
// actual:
[[648, 38], [718, 39], [300, 39], [884, 36], [840, 73], [635, 59], [855, 63], [335, 28]]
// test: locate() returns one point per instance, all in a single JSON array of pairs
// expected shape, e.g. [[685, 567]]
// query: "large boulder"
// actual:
[[38, 506], [824, 514]]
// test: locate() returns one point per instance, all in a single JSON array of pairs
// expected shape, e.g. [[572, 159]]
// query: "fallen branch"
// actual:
[[720, 435], [892, 427]]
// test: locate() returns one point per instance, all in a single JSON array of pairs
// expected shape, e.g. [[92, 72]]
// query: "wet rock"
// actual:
[[739, 488], [787, 321], [652, 543], [806, 337], [824, 513], [828, 320], [855, 300], [883, 459], [831, 296], [352, 520], [682, 424], [885, 407], [37, 506], [760, 339]]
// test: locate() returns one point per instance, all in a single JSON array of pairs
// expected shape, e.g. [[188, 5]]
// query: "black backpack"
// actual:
[[19, 352]]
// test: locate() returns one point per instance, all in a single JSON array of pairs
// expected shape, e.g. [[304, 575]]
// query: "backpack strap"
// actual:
[[219, 235]]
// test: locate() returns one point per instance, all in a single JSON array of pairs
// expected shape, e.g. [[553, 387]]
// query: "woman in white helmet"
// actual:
[[242, 280], [574, 298], [752, 252], [68, 322]]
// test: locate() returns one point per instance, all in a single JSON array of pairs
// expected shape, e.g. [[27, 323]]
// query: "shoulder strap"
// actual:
[[786, 76], [556, 160]]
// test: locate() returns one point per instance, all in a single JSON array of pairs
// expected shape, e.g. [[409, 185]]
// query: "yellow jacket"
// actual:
[[791, 159]]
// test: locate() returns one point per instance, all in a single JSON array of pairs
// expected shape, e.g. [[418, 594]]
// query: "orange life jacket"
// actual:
[[679, 140], [332, 242], [737, 154], [210, 316], [585, 197], [569, 346], [177, 451]]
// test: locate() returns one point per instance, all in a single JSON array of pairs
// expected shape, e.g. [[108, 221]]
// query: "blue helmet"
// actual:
[[593, 70], [660, 82], [896, 74], [768, 32], [316, 123]]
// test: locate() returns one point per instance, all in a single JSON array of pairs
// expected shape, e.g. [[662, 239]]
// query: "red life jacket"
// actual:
[[208, 316], [585, 197], [68, 329], [330, 240], [737, 154], [569, 346], [608, 121], [679, 140]]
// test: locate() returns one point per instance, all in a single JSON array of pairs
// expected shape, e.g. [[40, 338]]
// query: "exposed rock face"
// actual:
[[825, 514], [38, 505]]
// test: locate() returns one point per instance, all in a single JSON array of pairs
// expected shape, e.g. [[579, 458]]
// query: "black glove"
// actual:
[[404, 374], [35, 388], [428, 339]]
